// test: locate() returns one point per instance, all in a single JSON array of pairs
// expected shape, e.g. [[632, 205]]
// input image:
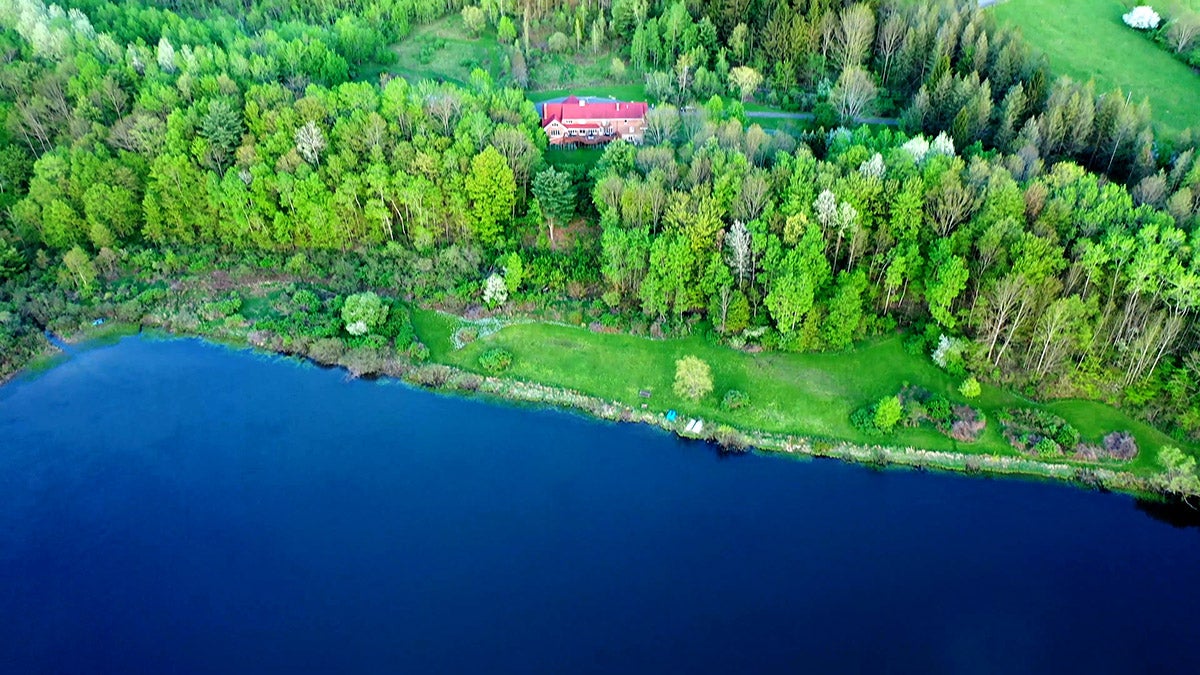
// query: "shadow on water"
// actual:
[[58, 342], [1174, 513]]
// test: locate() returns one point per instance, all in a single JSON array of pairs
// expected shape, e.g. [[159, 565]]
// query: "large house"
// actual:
[[582, 122]]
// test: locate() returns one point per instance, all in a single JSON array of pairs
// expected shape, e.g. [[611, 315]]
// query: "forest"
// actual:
[[1029, 231]]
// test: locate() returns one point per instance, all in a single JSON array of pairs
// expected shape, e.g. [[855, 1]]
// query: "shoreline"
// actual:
[[437, 377]]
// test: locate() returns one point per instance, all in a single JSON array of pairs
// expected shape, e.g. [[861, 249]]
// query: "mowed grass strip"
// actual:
[[1086, 39], [806, 394]]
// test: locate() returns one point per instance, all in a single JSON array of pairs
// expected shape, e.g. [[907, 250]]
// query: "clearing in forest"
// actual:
[[1086, 39]]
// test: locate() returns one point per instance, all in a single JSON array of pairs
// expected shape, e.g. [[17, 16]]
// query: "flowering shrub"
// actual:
[[948, 352], [495, 291], [1142, 17]]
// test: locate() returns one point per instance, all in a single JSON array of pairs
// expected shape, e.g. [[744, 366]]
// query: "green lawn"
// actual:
[[586, 157], [1086, 39], [810, 394], [443, 51]]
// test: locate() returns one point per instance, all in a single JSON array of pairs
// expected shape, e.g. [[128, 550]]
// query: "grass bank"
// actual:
[[791, 395], [1086, 39]]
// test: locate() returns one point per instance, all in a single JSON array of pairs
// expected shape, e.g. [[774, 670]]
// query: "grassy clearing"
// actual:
[[585, 157], [584, 69], [1086, 39], [810, 394], [442, 51]]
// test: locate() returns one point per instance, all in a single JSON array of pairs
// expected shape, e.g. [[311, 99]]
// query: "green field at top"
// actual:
[[443, 51], [1086, 40], [805, 394]]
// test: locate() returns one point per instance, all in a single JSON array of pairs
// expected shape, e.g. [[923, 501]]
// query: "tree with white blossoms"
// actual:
[[942, 145], [841, 217], [739, 247], [919, 148], [948, 350], [916, 147], [874, 167], [495, 291], [49, 30], [310, 141], [1142, 17], [363, 313], [166, 55]]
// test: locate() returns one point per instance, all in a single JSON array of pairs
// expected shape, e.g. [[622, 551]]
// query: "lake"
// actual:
[[175, 506]]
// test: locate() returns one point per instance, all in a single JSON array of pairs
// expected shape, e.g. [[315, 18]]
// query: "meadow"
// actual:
[[809, 394], [1086, 40]]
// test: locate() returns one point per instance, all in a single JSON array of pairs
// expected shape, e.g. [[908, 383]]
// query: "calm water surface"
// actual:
[[177, 507]]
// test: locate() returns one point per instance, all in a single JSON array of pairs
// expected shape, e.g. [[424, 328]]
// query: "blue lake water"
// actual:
[[174, 506]]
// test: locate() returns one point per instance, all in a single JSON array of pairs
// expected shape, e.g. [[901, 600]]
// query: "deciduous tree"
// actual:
[[693, 378]]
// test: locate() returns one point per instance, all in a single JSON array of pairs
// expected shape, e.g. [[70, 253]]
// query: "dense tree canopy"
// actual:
[[985, 218]]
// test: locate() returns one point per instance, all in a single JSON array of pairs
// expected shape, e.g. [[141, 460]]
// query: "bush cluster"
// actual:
[[735, 399], [1039, 432], [496, 361]]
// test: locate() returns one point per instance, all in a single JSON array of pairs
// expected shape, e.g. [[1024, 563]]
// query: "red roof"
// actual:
[[573, 108]]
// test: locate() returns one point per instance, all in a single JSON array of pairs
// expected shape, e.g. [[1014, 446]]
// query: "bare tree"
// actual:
[[661, 124], [746, 80], [852, 40], [310, 142], [739, 250], [1183, 31], [516, 148], [890, 41], [753, 196], [444, 107], [854, 93]]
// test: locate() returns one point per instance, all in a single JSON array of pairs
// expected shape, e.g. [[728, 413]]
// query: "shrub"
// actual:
[[863, 419], [735, 399], [968, 424], [417, 351], [496, 361], [1121, 445], [326, 351], [970, 388], [1031, 430], [558, 43], [434, 375], [363, 313], [1142, 17], [1045, 447], [887, 413], [730, 439], [362, 361], [939, 410], [306, 301]]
